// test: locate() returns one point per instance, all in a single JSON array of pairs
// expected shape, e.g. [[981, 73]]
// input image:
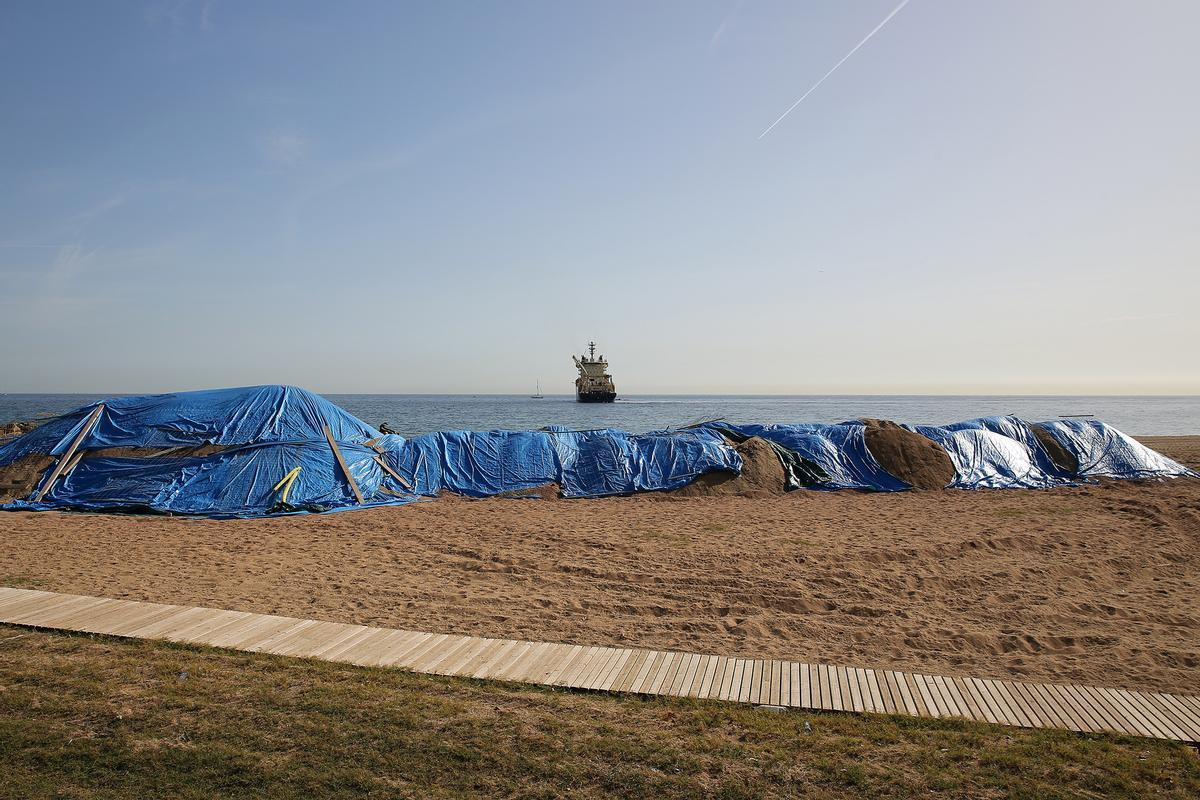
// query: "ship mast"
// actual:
[[591, 351]]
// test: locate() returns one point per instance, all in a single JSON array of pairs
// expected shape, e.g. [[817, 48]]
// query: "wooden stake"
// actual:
[[379, 460], [342, 463], [70, 451]]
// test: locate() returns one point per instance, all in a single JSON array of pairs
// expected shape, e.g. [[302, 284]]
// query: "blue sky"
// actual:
[[454, 197]]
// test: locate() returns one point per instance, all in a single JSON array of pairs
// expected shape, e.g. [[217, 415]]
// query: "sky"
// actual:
[[985, 198]]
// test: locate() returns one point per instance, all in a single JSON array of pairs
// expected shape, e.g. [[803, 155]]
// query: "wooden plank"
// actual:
[[555, 674], [712, 675], [336, 644], [581, 663], [1051, 714], [202, 632], [1137, 720], [501, 666], [946, 692], [522, 664], [434, 663], [1022, 703], [1071, 707], [748, 673], [924, 690], [823, 689], [15, 600], [67, 618], [1182, 712], [660, 677], [69, 452], [733, 677], [645, 676], [850, 675], [599, 666], [1010, 712], [1162, 727], [983, 700], [256, 633], [1105, 719], [892, 700], [780, 677], [148, 613], [874, 692], [695, 677], [488, 660], [342, 463], [382, 463], [1189, 723], [630, 670], [38, 613]]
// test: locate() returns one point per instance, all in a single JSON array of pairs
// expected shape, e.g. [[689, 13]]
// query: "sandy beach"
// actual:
[[1092, 584]]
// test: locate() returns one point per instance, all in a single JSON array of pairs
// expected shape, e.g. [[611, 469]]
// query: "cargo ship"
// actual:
[[594, 384]]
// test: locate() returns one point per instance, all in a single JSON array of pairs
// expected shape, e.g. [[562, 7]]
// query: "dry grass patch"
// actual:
[[84, 716]]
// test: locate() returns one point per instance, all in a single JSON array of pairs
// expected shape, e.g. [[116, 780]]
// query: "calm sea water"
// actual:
[[414, 414]]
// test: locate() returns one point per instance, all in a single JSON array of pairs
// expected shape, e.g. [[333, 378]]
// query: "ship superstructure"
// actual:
[[594, 384]]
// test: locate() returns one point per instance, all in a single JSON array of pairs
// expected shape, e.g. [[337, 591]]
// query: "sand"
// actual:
[[1094, 584], [919, 462], [762, 475]]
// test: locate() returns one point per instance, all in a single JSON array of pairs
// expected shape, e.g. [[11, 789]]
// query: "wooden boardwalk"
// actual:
[[648, 672]]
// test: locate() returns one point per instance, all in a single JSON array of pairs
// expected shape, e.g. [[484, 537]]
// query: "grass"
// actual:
[[92, 717]]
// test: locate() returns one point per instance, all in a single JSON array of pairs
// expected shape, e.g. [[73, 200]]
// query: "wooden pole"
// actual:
[[70, 451], [342, 463], [379, 460]]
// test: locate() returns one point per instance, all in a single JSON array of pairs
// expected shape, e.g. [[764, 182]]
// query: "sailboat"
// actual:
[[538, 395]]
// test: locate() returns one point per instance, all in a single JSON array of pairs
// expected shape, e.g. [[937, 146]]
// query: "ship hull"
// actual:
[[595, 397]]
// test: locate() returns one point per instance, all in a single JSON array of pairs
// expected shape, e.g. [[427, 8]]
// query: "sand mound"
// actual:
[[1063, 458], [762, 475], [919, 462], [17, 428], [20, 478]]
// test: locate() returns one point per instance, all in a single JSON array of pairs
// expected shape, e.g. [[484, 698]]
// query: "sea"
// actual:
[[411, 415]]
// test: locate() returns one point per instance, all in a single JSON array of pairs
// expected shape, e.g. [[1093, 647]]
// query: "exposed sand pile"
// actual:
[[762, 475], [919, 462], [20, 478], [994, 584], [1063, 458], [9, 429]]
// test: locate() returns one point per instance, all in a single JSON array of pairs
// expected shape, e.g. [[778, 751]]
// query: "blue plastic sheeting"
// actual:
[[583, 463], [994, 453], [477, 464], [266, 432], [1105, 452], [1020, 430], [839, 450], [609, 461]]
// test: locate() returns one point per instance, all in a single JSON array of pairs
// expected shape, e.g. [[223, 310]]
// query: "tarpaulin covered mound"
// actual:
[[1102, 451], [279, 449], [220, 452], [583, 463], [827, 456]]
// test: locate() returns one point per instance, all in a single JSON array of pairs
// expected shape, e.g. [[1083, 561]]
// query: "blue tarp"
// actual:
[[261, 434], [253, 437], [994, 453], [1104, 452], [264, 432], [839, 450], [583, 463]]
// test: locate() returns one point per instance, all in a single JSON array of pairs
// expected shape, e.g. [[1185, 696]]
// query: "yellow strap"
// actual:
[[286, 483]]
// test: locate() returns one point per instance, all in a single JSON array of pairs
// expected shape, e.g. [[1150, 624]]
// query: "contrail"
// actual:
[[866, 38]]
